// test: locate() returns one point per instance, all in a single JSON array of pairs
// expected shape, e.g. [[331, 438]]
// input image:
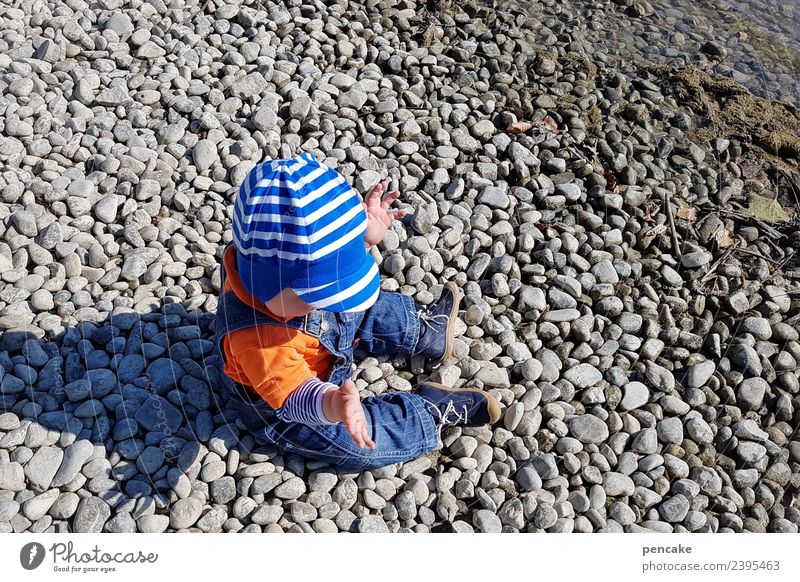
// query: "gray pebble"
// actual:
[[184, 513], [588, 428], [634, 395], [674, 509], [91, 515], [487, 521]]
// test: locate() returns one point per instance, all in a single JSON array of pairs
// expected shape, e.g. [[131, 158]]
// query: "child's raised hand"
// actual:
[[351, 413], [379, 216]]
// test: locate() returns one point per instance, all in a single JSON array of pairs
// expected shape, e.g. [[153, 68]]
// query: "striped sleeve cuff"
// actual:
[[304, 405]]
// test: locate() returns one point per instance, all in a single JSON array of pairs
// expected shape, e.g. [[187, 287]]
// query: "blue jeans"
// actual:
[[400, 424]]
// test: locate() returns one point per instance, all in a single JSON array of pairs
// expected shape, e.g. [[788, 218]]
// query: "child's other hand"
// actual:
[[347, 405], [379, 216]]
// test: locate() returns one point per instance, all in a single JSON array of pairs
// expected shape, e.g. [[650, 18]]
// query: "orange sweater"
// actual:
[[271, 359]]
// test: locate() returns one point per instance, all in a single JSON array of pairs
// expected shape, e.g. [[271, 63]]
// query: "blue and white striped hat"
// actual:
[[298, 224]]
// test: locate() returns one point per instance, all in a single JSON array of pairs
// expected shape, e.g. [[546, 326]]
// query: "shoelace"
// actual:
[[450, 417], [431, 320]]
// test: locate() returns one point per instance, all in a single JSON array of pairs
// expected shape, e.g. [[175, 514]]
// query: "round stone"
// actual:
[[184, 513], [587, 428], [634, 395], [486, 521]]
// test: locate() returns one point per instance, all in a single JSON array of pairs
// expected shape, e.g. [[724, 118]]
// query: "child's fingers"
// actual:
[[363, 435], [357, 438], [356, 429], [376, 193], [388, 199], [392, 215], [349, 387]]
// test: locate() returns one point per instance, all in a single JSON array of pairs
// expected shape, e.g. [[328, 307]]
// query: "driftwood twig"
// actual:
[[673, 233], [759, 255], [713, 268]]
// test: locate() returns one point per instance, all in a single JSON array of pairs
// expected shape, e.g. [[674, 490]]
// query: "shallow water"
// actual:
[[759, 39], [782, 20]]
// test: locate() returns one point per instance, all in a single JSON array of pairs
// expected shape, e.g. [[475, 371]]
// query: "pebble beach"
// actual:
[[612, 184]]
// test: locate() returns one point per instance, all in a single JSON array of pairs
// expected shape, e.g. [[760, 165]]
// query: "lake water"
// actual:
[[780, 19], [762, 39], [756, 42]]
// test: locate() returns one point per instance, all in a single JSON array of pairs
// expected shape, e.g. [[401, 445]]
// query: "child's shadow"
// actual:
[[128, 411]]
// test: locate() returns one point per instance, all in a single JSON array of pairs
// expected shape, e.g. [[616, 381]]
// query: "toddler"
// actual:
[[299, 291]]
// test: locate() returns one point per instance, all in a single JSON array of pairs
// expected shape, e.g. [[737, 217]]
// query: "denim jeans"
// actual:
[[400, 423]]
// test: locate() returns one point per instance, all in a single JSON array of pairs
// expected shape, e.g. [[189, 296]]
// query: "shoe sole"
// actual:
[[492, 404], [450, 331]]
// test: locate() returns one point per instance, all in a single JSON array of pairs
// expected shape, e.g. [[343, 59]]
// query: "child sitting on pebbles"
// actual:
[[299, 291]]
